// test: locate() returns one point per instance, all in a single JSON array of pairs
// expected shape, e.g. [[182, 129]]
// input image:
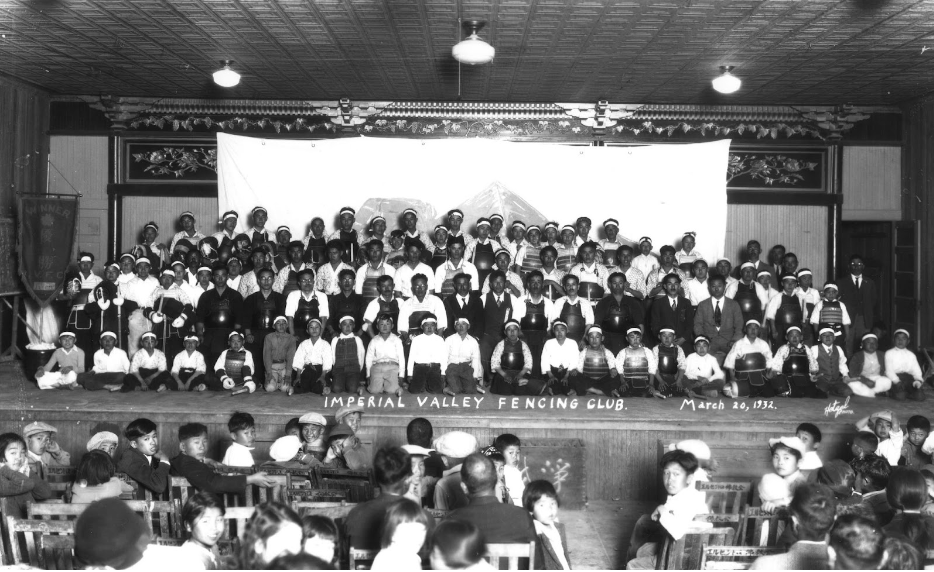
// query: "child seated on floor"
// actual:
[[148, 369], [242, 429], [596, 372], [234, 367], [19, 484], [312, 362], [669, 376], [674, 518], [891, 438], [95, 479], [42, 451], [511, 447], [913, 451], [137, 459], [286, 453], [793, 365], [203, 473], [111, 365], [867, 369], [872, 478], [551, 548], [636, 366], [833, 376], [901, 366], [349, 357], [428, 359], [703, 377], [512, 363], [188, 368], [278, 354], [787, 453], [70, 361], [747, 366], [810, 436]]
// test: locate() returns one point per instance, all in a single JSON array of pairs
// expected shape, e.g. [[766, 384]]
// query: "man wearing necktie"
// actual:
[[719, 319], [465, 303], [861, 298], [675, 312]]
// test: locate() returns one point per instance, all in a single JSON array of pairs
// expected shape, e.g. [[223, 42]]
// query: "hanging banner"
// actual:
[[46, 238]]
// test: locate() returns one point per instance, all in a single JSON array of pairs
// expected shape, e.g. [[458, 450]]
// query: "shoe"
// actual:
[[572, 393], [399, 392], [480, 388], [360, 391], [449, 391]]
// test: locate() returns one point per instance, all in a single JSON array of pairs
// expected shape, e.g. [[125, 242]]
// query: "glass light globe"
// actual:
[[473, 51], [226, 77], [727, 83]]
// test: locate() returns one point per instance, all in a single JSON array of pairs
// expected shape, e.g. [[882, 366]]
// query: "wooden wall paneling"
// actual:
[[80, 165], [24, 143], [872, 183], [801, 229], [918, 195], [137, 211]]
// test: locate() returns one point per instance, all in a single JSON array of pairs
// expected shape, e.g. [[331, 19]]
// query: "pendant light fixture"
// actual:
[[226, 77], [473, 50], [726, 82]]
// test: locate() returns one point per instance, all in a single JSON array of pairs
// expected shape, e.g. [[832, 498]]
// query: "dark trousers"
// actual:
[[345, 379], [309, 380], [800, 385], [582, 383], [460, 378], [905, 389], [256, 348], [556, 386], [96, 381], [536, 340], [215, 342], [426, 376], [508, 385], [487, 345], [830, 386], [187, 374], [769, 387], [130, 381]]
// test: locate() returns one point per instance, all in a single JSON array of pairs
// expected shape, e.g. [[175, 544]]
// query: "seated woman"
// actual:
[[95, 480], [672, 519]]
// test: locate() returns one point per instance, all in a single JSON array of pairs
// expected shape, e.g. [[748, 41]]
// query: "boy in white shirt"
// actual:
[[704, 377], [242, 429], [188, 368], [312, 362], [901, 366], [891, 437], [464, 373], [148, 369], [110, 366], [385, 359], [428, 359]]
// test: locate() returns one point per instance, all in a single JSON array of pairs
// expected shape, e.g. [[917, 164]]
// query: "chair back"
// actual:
[[333, 510], [300, 478], [733, 557], [724, 497], [278, 492], [59, 551], [719, 520], [162, 512], [358, 490], [235, 519], [27, 533], [511, 553], [60, 474], [438, 513], [180, 489], [361, 559], [316, 495], [761, 528], [686, 552]]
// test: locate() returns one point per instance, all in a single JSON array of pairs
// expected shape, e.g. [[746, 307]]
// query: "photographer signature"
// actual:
[[837, 409]]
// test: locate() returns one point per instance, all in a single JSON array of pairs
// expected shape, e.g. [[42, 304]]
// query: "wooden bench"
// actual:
[[163, 512], [511, 554], [726, 497], [28, 533], [686, 552], [760, 528]]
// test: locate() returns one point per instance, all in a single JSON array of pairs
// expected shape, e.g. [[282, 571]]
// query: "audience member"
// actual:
[[273, 530], [18, 482], [110, 535], [105, 441], [142, 460], [906, 492], [855, 543], [551, 548], [419, 432], [458, 545], [243, 434], [510, 446], [884, 424], [810, 437], [813, 510], [872, 477], [203, 473], [403, 533], [322, 539], [95, 480], [203, 518], [454, 447], [901, 555]]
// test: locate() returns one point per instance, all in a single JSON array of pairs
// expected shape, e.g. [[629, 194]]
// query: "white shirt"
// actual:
[[771, 309], [140, 291], [372, 310], [238, 455], [428, 349], [744, 346], [142, 359], [696, 291], [815, 351], [560, 356], [891, 448], [385, 269], [234, 283], [595, 273], [291, 303], [431, 303], [645, 263], [221, 362], [314, 353], [678, 512], [511, 278], [385, 350], [193, 239], [464, 350], [174, 291], [586, 309], [194, 361], [811, 461], [465, 267], [901, 361], [116, 362], [404, 274], [696, 366], [361, 354]]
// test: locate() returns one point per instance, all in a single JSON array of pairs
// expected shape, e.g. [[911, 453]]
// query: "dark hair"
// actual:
[[816, 508], [496, 457], [874, 468], [906, 489], [96, 467], [900, 554], [667, 248], [533, 274], [460, 543], [506, 440], [535, 490], [138, 428], [790, 255], [240, 421], [383, 279], [391, 467], [189, 430], [919, 422], [196, 506], [839, 478], [856, 257], [549, 248], [857, 542], [401, 511], [811, 429], [614, 275], [478, 474], [700, 261], [751, 242], [781, 446], [687, 460], [418, 276], [293, 424], [868, 439], [494, 275], [316, 525], [568, 277], [8, 439], [716, 277], [419, 432], [265, 522], [346, 272], [299, 561]]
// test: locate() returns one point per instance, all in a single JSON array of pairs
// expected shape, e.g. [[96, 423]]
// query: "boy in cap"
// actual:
[[560, 358], [327, 279], [887, 429], [747, 366], [313, 361], [315, 244], [645, 261], [41, 448], [188, 368], [832, 376], [454, 447], [724, 268], [234, 367], [259, 313], [110, 366], [704, 377], [795, 363], [228, 233], [428, 357], [385, 359], [258, 234], [188, 232], [831, 313], [305, 303], [597, 366], [348, 357], [464, 373], [496, 229], [279, 349], [348, 236], [148, 369], [901, 366], [70, 360], [511, 364], [637, 366], [867, 369], [482, 252], [687, 255]]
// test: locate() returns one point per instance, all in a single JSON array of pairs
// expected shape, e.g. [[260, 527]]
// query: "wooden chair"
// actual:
[[358, 490], [332, 510], [61, 492], [59, 551], [163, 512], [686, 552], [348, 474], [361, 559], [300, 478], [224, 547], [60, 474], [760, 528], [139, 493], [28, 532], [235, 519], [496, 553], [718, 520], [315, 495], [723, 497], [180, 489], [733, 557], [278, 492], [928, 558]]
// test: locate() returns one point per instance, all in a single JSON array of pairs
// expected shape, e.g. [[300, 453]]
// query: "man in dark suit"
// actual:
[[719, 318], [464, 303], [861, 298], [675, 312], [753, 251], [500, 522]]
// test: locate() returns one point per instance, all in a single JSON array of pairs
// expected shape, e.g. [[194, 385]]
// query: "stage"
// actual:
[[621, 438]]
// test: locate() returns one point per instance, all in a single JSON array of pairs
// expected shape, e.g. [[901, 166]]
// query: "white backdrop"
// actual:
[[656, 190]]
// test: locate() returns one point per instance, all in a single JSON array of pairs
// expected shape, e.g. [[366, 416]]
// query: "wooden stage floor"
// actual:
[[621, 436]]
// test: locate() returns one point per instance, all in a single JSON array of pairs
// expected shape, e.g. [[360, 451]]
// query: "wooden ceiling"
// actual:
[[787, 52]]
